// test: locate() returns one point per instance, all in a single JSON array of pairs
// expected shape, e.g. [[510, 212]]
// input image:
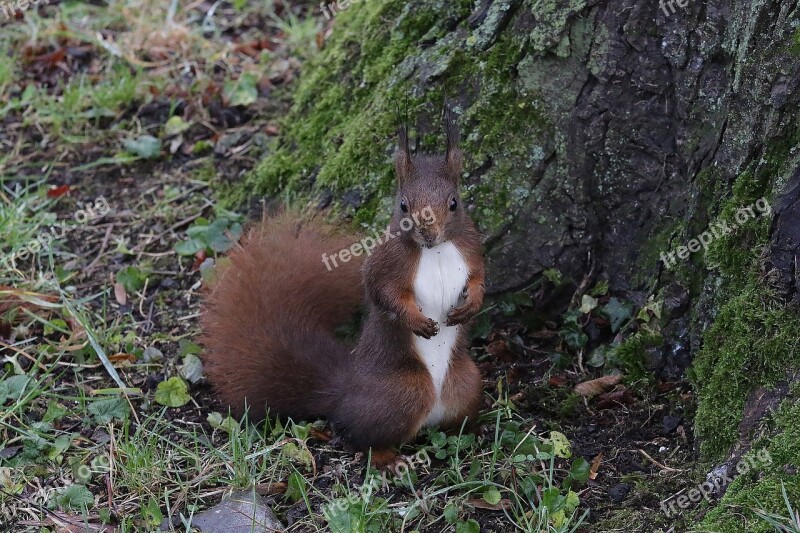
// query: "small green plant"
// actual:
[[211, 237]]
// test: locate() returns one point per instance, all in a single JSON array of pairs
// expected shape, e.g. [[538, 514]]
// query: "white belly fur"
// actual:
[[441, 276]]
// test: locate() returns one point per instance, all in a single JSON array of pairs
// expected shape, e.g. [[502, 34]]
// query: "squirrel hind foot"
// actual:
[[383, 459]]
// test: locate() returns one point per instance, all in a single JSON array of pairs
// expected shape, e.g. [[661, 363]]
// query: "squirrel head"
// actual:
[[428, 207]]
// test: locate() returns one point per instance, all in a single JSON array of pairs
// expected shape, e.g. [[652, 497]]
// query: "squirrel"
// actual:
[[269, 320]]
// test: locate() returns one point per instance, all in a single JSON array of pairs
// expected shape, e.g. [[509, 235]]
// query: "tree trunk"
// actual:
[[602, 136]]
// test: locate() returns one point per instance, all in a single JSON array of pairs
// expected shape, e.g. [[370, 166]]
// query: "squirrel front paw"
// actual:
[[425, 328], [463, 313]]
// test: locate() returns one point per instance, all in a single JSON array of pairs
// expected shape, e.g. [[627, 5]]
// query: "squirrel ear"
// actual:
[[454, 159], [402, 156]]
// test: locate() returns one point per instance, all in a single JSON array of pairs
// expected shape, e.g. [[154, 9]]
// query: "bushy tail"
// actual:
[[268, 318]]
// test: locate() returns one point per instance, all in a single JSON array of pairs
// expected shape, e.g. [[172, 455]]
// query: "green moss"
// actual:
[[631, 354], [388, 57], [752, 340], [776, 459], [751, 343]]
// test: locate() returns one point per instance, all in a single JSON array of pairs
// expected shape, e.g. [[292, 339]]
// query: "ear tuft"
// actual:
[[402, 156], [454, 159]]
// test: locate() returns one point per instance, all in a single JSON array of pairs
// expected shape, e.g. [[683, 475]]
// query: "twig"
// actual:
[[661, 466]]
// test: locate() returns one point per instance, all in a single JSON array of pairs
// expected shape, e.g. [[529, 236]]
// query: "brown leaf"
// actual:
[[557, 381], [618, 398], [500, 351], [122, 358], [595, 465], [119, 293], [324, 436], [268, 489], [199, 258], [51, 59], [55, 192], [593, 387]]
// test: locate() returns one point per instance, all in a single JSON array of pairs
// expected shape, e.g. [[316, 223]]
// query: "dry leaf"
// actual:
[[122, 358], [268, 489], [119, 294], [500, 351], [324, 436], [613, 399], [593, 387], [595, 465]]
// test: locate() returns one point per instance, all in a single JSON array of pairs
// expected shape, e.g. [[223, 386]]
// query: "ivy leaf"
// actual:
[[617, 313], [587, 304], [470, 526], [75, 497], [242, 91], [176, 125], [105, 411], [298, 455], [552, 499], [492, 496], [55, 411], [295, 487], [15, 387], [151, 513], [572, 333], [173, 392], [146, 146], [561, 446], [217, 236], [228, 424], [451, 512], [192, 368], [189, 247], [579, 471], [131, 278]]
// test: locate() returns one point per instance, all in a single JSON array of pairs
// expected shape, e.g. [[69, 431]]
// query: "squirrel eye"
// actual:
[[403, 206], [453, 204]]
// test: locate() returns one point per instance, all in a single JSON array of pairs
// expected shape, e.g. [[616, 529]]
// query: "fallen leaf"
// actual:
[[58, 191], [192, 368], [557, 381], [119, 293], [146, 146], [618, 398], [593, 387], [199, 258], [173, 392], [500, 351], [122, 358], [268, 489], [596, 462], [324, 436]]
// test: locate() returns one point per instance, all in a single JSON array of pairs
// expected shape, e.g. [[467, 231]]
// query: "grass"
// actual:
[[105, 418], [98, 425], [782, 524]]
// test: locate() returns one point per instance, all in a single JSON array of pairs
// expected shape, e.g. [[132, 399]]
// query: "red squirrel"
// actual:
[[269, 320]]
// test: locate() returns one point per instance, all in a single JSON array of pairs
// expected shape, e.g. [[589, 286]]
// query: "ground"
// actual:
[[125, 132]]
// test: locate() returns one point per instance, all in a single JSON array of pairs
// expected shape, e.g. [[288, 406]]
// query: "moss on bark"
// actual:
[[565, 105]]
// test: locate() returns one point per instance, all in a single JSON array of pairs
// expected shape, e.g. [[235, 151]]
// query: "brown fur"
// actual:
[[268, 320], [391, 373]]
